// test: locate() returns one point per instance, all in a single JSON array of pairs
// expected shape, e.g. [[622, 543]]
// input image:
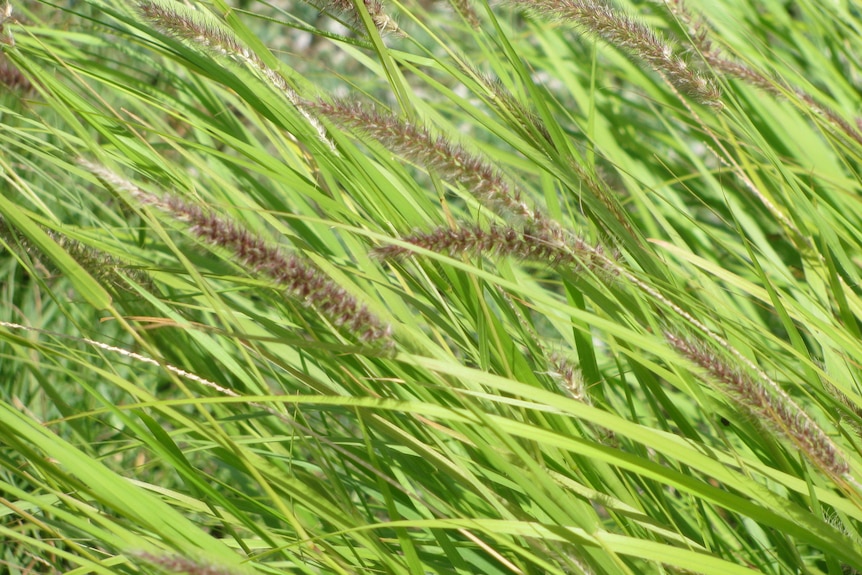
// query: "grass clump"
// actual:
[[523, 287]]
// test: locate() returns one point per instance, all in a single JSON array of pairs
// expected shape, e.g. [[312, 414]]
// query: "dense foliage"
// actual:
[[547, 286]]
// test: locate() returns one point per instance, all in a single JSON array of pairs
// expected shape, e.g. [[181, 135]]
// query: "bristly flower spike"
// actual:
[[503, 241], [569, 377], [438, 154], [13, 78], [172, 563], [598, 18], [382, 21], [769, 403], [299, 279], [104, 267], [204, 30], [698, 32]]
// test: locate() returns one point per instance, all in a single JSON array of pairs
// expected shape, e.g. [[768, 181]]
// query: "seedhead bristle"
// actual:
[[438, 154], [204, 30], [500, 241], [768, 403], [635, 39], [298, 278]]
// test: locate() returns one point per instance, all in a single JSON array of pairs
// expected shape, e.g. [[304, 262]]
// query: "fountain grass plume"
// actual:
[[768, 403], [501, 241], [439, 154], [172, 563], [107, 269], [466, 10], [12, 77], [347, 9], [599, 19], [699, 35], [299, 278], [203, 29]]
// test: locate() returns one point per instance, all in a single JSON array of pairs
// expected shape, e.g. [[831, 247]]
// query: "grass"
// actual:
[[529, 287]]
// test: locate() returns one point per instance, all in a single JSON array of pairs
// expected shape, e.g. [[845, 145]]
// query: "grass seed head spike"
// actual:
[[600, 19], [299, 278], [775, 409]]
